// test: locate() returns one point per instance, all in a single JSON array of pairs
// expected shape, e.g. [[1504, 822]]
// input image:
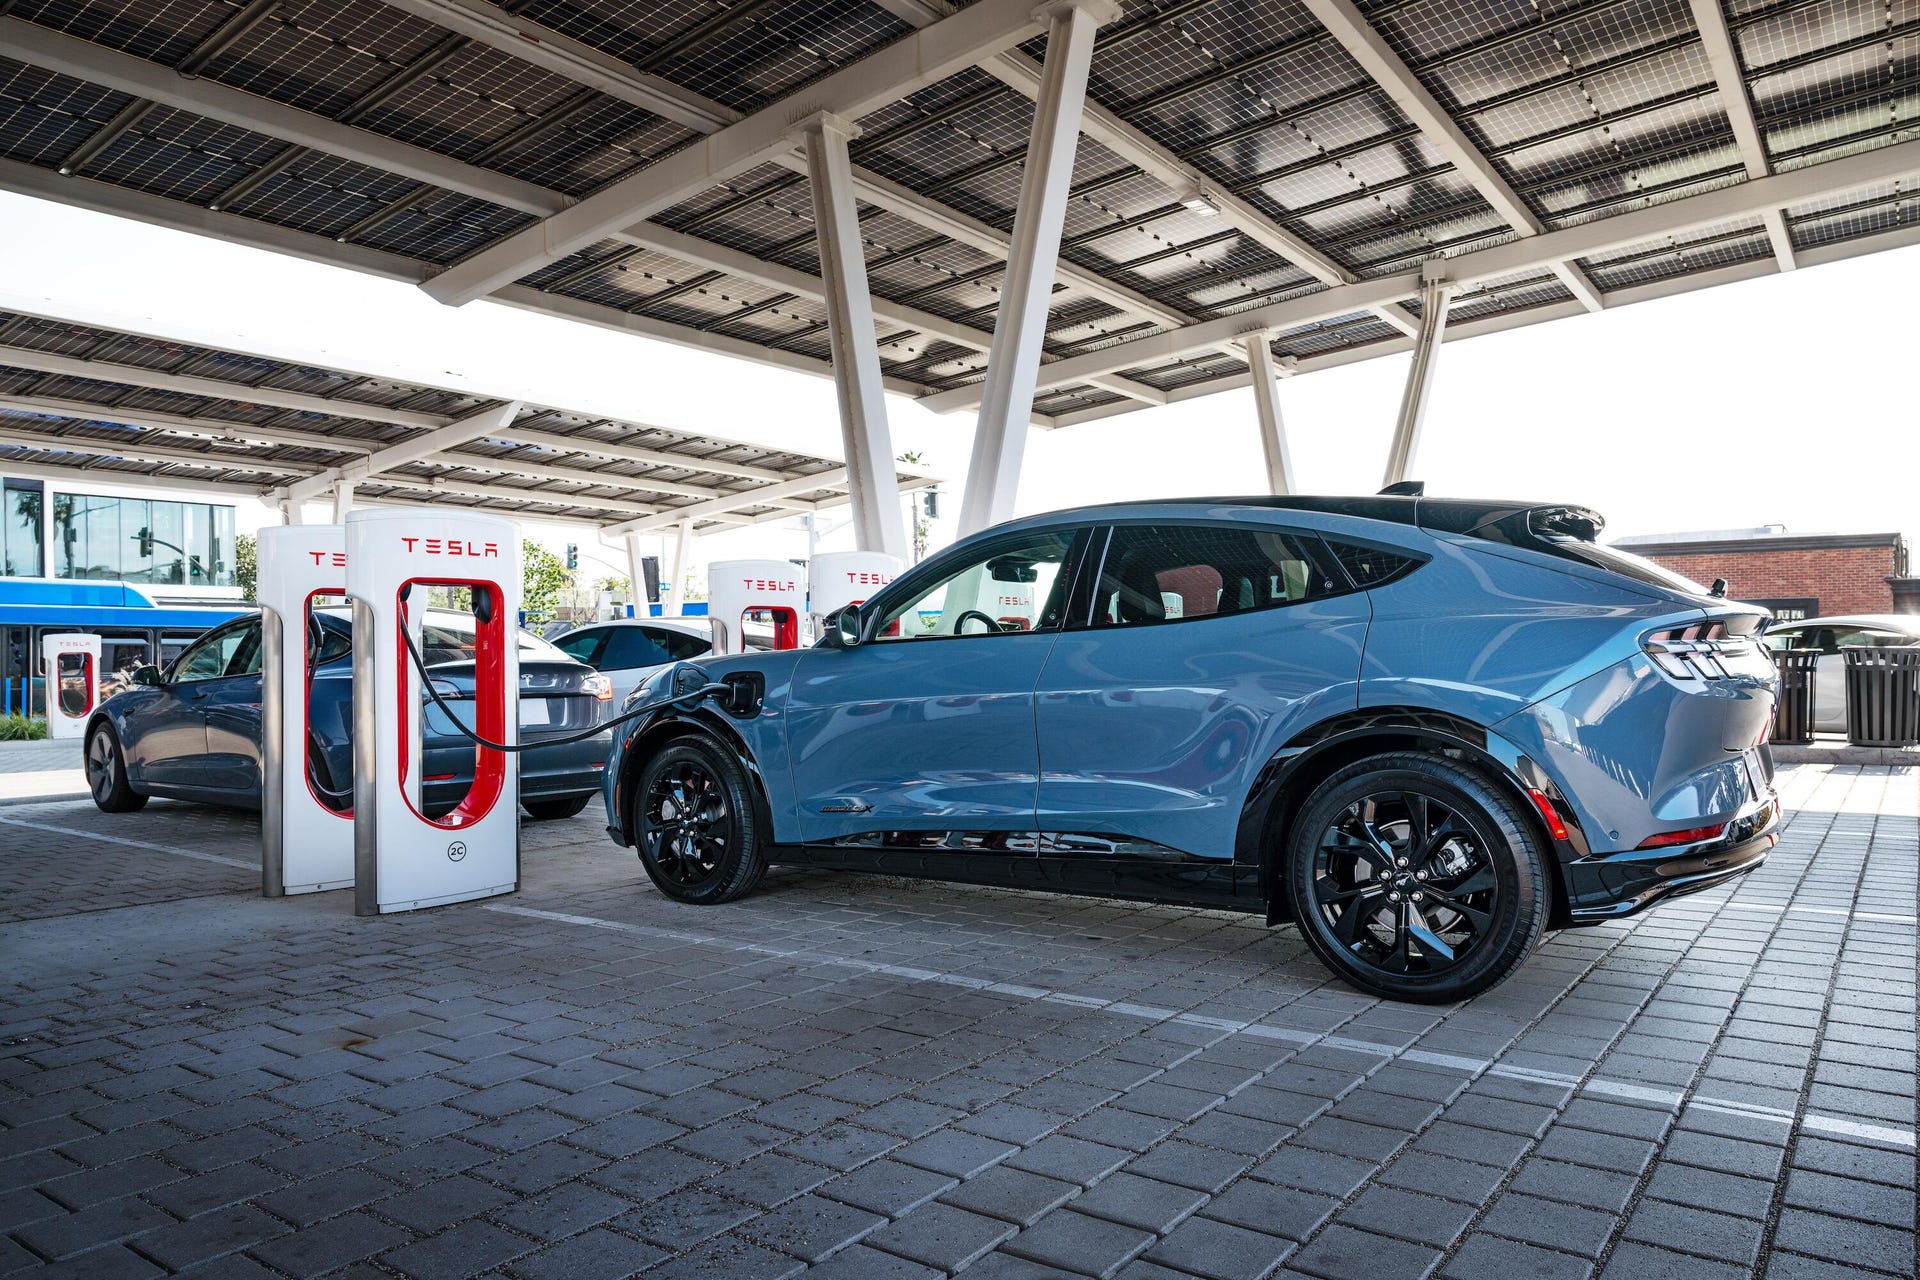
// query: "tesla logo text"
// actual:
[[338, 559], [869, 579], [454, 547], [769, 584]]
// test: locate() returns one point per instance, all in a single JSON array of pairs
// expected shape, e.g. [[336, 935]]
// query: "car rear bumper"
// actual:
[[1613, 886]]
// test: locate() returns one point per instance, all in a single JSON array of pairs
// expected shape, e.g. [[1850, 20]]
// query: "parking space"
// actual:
[[871, 1077]]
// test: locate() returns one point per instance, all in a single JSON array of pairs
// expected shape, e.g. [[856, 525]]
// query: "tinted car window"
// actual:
[[679, 644], [629, 647], [1011, 585], [208, 660], [246, 658], [1371, 566], [1167, 573], [584, 646], [330, 645]]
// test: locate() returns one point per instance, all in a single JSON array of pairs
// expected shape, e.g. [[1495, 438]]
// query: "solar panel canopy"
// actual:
[[1248, 170], [125, 407]]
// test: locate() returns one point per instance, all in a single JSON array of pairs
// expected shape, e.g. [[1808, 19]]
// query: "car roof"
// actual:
[[697, 627], [1434, 515]]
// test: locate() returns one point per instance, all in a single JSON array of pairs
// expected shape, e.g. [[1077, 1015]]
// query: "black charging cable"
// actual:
[[708, 690]]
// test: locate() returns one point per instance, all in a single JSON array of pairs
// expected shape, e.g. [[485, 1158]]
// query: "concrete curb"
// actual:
[[1838, 752]]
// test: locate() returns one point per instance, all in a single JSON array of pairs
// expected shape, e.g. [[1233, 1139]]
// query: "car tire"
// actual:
[[1433, 920], [695, 823], [106, 768], [555, 810]]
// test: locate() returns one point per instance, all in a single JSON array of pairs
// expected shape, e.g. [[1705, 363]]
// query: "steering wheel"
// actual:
[[961, 621]]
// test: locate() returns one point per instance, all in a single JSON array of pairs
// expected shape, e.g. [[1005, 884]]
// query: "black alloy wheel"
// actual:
[[695, 824], [1415, 878]]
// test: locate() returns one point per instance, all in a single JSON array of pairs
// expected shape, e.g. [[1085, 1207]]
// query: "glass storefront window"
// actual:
[[20, 533], [144, 541]]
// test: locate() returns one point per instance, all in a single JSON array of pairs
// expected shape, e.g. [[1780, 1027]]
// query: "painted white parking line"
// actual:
[[243, 864], [1624, 1090], [1774, 908]]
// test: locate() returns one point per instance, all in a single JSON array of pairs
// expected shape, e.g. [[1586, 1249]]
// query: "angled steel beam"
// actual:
[[131, 479], [1602, 235], [212, 388], [1435, 294], [177, 424], [420, 448], [1020, 328], [835, 479], [551, 50], [867, 444], [1717, 40], [1358, 36], [927, 56], [1266, 372], [342, 500], [142, 451]]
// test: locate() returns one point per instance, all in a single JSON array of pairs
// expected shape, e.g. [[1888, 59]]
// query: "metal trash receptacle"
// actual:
[[1883, 696], [1793, 714]]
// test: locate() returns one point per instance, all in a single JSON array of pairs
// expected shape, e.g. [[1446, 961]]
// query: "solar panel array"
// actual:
[[118, 404], [1586, 109]]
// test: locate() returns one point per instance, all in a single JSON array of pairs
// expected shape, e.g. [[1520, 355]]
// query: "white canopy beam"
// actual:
[[421, 448], [872, 484], [1724, 59], [1368, 48], [1435, 293], [1020, 328], [715, 507], [682, 562], [140, 450], [1602, 235], [903, 67], [1266, 373], [61, 476]]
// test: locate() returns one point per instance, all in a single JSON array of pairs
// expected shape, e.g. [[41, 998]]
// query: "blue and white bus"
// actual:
[[133, 629]]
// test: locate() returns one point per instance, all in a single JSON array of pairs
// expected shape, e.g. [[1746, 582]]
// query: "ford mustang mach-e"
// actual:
[[1424, 730]]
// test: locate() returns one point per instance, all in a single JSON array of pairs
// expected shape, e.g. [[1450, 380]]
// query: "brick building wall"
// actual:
[[1842, 573]]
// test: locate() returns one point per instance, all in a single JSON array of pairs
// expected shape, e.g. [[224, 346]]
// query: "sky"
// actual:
[[1788, 400]]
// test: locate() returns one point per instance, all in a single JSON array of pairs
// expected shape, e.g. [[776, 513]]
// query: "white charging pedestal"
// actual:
[[773, 590], [305, 845], [402, 858], [841, 578], [70, 664]]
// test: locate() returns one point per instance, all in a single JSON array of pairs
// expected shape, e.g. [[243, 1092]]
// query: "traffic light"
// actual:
[[573, 555], [145, 539], [933, 504]]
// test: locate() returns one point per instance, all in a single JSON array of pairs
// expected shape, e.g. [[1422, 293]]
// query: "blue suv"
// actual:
[[1424, 730]]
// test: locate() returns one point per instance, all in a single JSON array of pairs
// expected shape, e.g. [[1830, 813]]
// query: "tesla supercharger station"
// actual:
[[774, 589], [402, 858], [841, 578], [306, 845], [70, 664]]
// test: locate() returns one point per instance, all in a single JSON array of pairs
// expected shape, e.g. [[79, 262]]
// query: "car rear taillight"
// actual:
[[1695, 651], [599, 686], [1692, 835]]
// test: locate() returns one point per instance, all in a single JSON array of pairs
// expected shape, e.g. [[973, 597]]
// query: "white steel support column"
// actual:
[[342, 500], [637, 575], [1435, 294], [1013, 366], [871, 482], [682, 561], [292, 511], [1267, 372]]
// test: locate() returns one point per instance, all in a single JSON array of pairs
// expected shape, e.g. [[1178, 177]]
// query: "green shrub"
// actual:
[[18, 728]]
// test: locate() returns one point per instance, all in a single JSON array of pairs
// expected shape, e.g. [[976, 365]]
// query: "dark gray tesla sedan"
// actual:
[[1425, 730]]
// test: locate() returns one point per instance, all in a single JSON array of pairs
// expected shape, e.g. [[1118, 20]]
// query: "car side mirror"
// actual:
[[147, 674], [846, 626]]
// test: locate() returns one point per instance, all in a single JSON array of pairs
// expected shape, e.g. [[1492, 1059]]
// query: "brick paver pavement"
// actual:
[[853, 1076]]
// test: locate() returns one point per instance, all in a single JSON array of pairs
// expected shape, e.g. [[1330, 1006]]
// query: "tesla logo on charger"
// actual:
[[868, 578], [453, 547], [338, 559], [769, 584]]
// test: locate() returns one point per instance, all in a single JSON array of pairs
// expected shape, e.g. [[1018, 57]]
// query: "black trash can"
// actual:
[[1793, 715], [1883, 696]]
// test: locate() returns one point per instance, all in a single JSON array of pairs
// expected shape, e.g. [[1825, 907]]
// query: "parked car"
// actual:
[[626, 649], [192, 732], [1829, 636], [1425, 730]]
